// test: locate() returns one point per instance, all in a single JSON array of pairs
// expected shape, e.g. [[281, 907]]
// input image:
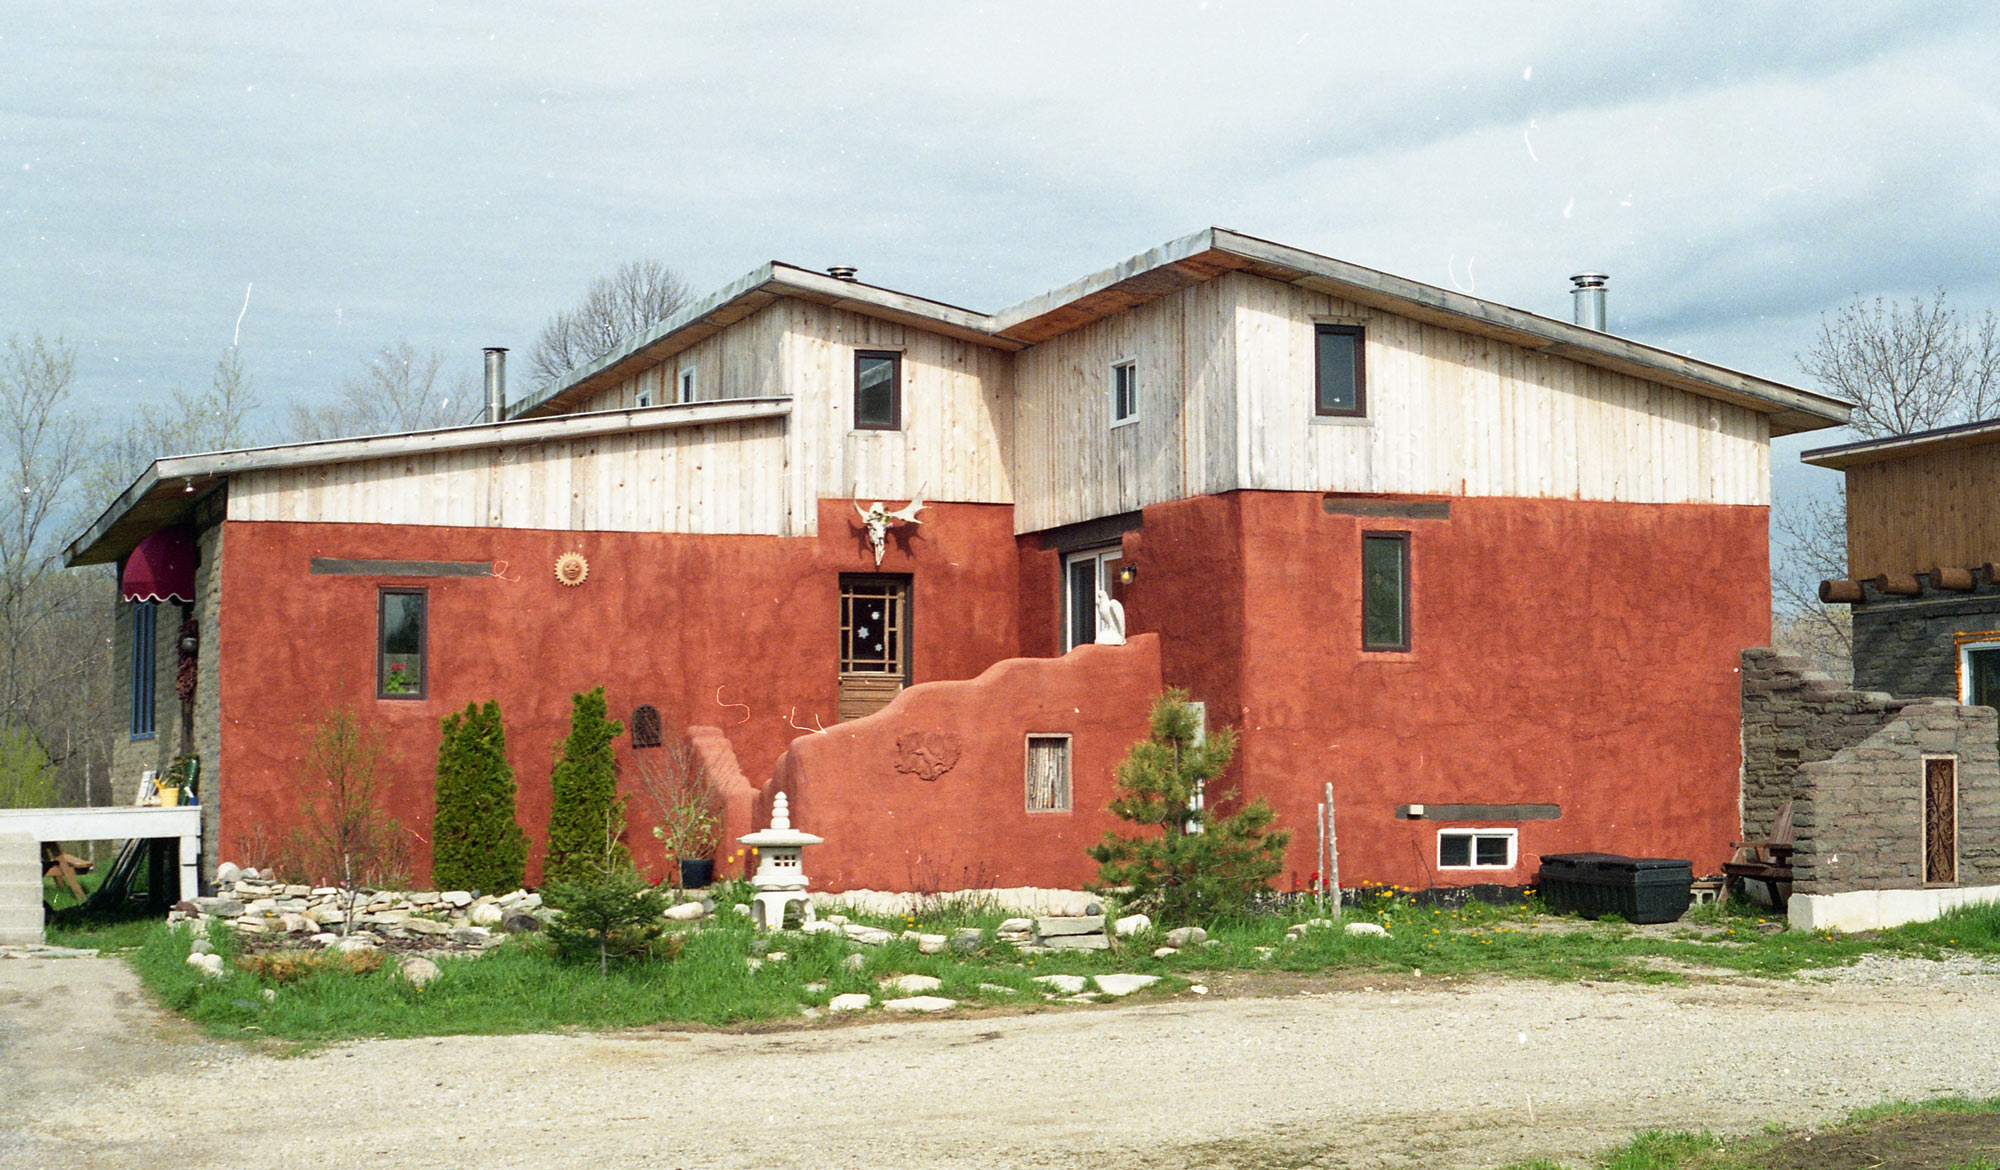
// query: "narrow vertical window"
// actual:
[[144, 627], [687, 386], [1048, 773], [1341, 390], [878, 390], [1124, 392], [1940, 820], [874, 642], [400, 645], [1385, 591]]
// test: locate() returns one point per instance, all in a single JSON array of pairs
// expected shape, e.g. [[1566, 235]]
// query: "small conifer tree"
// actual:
[[611, 913], [1189, 863], [475, 842], [584, 809]]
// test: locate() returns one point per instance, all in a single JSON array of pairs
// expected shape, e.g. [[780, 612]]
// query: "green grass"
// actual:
[[520, 987], [1865, 1137]]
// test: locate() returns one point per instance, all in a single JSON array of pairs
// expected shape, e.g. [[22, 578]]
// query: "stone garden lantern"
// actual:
[[779, 879]]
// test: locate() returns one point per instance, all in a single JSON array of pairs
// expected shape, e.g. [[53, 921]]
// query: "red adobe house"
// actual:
[[1412, 544]]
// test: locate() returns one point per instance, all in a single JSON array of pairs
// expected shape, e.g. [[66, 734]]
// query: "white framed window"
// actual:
[[643, 398], [1124, 392], [1476, 848], [1979, 669], [685, 386], [1048, 773], [1085, 574]]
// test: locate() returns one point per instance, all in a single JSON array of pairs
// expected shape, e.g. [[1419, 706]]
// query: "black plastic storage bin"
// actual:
[[1639, 889]]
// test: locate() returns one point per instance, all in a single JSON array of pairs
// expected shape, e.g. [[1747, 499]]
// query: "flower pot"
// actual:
[[697, 872]]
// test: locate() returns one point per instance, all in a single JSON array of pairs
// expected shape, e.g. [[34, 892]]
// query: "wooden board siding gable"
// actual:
[[1929, 508]]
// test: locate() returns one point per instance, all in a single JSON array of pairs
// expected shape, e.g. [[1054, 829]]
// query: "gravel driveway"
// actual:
[[1295, 1073]]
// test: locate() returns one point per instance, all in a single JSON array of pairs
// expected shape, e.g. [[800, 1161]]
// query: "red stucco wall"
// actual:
[[968, 827], [1563, 652], [735, 631]]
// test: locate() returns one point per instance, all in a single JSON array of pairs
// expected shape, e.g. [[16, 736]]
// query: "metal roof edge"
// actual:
[[1878, 450]]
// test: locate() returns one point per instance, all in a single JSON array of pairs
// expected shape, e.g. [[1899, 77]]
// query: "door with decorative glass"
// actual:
[[874, 642]]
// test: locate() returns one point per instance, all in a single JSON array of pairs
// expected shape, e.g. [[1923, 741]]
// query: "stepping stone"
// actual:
[[1068, 984], [919, 1003], [853, 1001], [913, 984], [1124, 984]]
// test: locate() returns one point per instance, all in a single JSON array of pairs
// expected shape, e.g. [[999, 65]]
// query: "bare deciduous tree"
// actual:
[[639, 295], [1908, 368], [399, 389], [217, 419]]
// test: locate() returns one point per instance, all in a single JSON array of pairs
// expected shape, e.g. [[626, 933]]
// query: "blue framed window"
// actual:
[[144, 622]]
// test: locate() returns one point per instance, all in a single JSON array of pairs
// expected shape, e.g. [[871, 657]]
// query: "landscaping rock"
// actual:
[[1122, 985], [356, 943], [1016, 926], [686, 912], [227, 873], [456, 899], [219, 907], [1132, 924], [270, 995], [1048, 927], [913, 984], [489, 914], [1163, 952], [1187, 936], [869, 936], [325, 938], [931, 944], [853, 1001], [426, 926], [201, 946], [854, 962], [472, 936], [742, 909], [1366, 930], [519, 922], [966, 940], [1068, 984], [776, 957], [210, 965], [820, 926], [919, 1003], [416, 971]]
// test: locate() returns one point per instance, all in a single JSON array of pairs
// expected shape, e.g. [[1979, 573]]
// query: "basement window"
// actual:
[[400, 644], [1476, 848]]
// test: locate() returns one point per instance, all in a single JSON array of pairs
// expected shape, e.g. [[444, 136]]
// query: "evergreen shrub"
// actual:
[[476, 844]]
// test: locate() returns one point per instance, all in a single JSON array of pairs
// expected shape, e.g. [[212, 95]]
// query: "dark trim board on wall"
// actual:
[[1386, 509], [1090, 533], [1480, 812], [323, 566]]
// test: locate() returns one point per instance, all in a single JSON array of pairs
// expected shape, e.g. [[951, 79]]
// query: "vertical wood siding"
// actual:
[[742, 361], [956, 408], [723, 477], [1927, 509]]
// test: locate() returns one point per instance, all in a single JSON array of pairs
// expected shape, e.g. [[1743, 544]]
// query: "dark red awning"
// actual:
[[161, 568]]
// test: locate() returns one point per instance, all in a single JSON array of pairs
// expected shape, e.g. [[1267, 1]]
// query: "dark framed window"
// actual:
[[878, 390], [1385, 591], [1341, 391], [874, 641], [401, 659], [1124, 392], [645, 726], [145, 619]]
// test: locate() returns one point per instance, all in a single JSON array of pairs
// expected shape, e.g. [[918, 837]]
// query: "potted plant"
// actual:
[[689, 811]]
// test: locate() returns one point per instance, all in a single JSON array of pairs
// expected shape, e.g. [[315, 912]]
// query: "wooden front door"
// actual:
[[874, 642]]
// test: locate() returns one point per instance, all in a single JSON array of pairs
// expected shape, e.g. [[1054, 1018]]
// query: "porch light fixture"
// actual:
[[1127, 573]]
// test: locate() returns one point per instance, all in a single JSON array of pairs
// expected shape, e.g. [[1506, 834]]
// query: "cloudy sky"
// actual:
[[308, 184]]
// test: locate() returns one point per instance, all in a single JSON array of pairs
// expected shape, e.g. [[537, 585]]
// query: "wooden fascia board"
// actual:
[[162, 484], [1972, 434], [1018, 321]]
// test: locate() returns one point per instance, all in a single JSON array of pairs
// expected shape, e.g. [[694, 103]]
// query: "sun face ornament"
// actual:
[[571, 569]]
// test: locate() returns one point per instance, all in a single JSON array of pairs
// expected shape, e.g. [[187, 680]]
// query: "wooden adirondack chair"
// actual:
[[1762, 870]]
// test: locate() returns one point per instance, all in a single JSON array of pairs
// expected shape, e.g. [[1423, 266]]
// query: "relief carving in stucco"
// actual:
[[926, 754]]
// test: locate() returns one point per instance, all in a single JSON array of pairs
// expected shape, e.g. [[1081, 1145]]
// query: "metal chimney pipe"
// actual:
[[842, 272], [1589, 294], [496, 383]]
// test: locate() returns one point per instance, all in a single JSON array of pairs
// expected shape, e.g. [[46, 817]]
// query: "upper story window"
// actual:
[[878, 390], [643, 398], [145, 616], [1340, 389], [400, 644], [1124, 392], [1385, 591], [685, 391]]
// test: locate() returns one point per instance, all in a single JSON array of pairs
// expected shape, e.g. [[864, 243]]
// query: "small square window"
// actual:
[[686, 392], [1124, 392], [1340, 388], [1048, 773], [400, 645], [1476, 848], [1385, 591], [878, 390], [643, 399]]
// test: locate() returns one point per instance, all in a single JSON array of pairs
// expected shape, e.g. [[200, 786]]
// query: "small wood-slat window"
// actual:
[[1385, 591], [1048, 773], [645, 726], [874, 642], [1940, 820]]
